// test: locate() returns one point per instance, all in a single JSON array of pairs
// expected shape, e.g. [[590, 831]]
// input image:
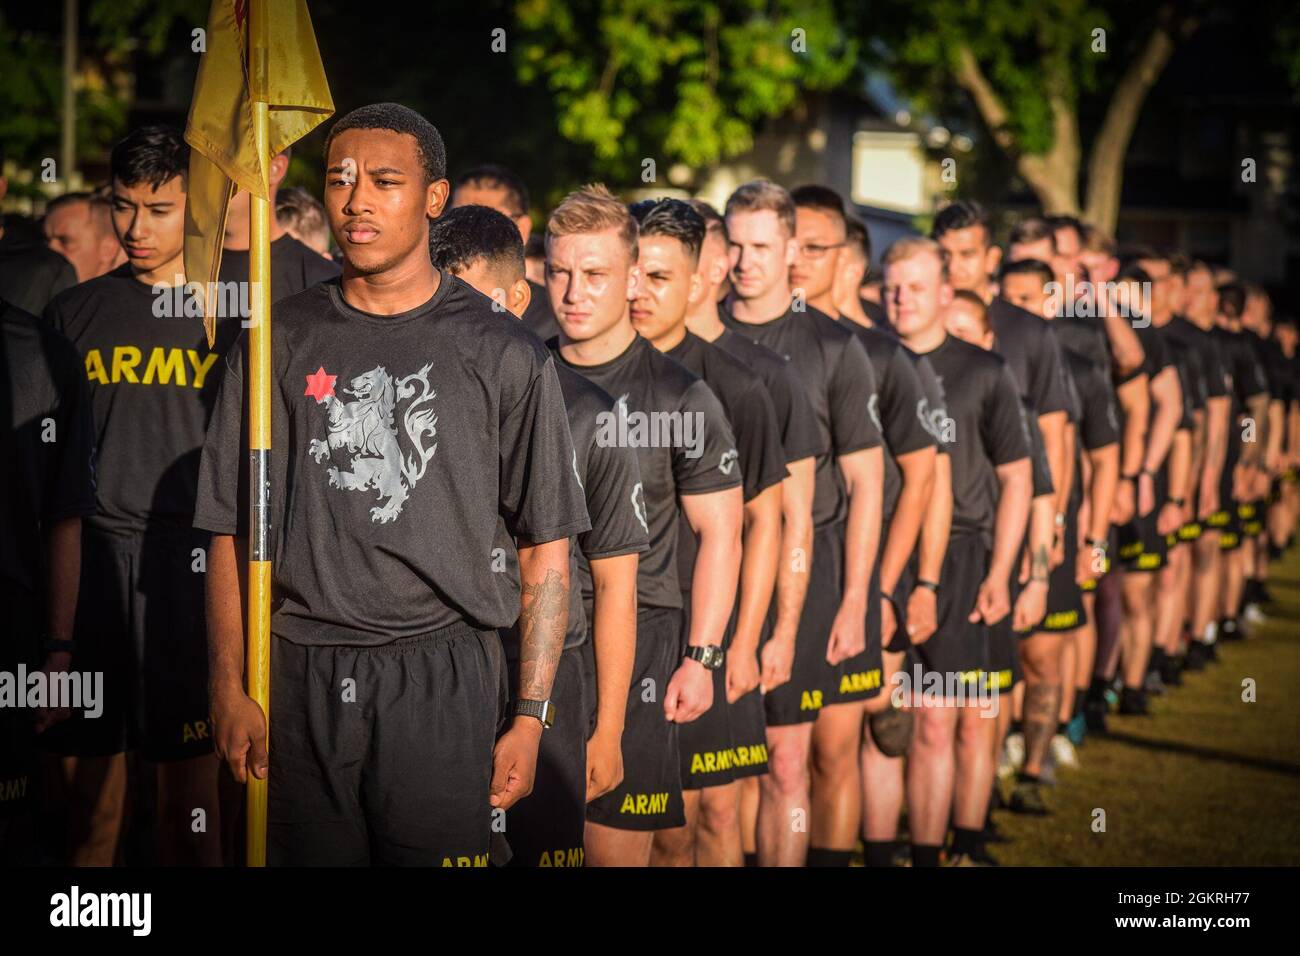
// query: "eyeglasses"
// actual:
[[816, 252]]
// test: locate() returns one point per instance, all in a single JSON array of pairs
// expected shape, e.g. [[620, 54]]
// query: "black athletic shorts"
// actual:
[[650, 796], [1250, 517], [800, 699], [546, 827], [1002, 671], [859, 678], [383, 755], [141, 622], [729, 741], [20, 647], [1142, 549], [958, 648], [1226, 522], [1065, 609]]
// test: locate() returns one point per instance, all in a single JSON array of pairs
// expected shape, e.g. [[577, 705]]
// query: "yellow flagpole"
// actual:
[[259, 426]]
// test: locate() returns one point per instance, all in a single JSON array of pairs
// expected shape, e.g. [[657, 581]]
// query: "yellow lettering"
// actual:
[[642, 803], [697, 763], [545, 860], [200, 367], [810, 700], [125, 359], [187, 734], [628, 805], [710, 763], [95, 367], [163, 365], [576, 856]]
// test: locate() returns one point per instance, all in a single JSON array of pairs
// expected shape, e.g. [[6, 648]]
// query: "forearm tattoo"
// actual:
[[543, 617], [1038, 563]]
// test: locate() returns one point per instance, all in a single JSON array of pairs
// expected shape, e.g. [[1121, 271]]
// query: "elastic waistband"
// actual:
[[436, 636]]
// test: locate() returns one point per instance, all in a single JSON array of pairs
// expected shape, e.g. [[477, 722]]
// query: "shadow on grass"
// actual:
[[1206, 753]]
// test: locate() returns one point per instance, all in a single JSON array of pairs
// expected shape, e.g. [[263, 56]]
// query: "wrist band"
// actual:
[[928, 585], [1099, 543], [1178, 502]]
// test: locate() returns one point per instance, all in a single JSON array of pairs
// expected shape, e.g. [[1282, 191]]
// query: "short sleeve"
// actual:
[[71, 492], [1100, 424], [1047, 374], [540, 498], [708, 460], [903, 403], [610, 487], [1041, 470], [852, 388], [220, 504], [1002, 428]]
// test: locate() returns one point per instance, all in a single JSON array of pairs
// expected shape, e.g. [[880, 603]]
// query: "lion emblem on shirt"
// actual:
[[365, 430]]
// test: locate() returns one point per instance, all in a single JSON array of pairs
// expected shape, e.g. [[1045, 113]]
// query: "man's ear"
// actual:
[[435, 198], [698, 290], [519, 297], [718, 269], [992, 259], [279, 168]]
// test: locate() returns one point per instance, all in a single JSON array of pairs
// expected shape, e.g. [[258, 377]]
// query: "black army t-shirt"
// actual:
[[1098, 422], [408, 453], [538, 317], [837, 377], [800, 436], [899, 409], [46, 450], [935, 413], [608, 476], [1084, 336], [31, 273], [753, 423], [294, 267], [683, 443], [983, 406], [1215, 380], [1033, 354], [153, 382]]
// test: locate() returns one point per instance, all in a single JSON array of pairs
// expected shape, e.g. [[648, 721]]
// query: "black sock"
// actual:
[[834, 858], [1061, 727], [1157, 659], [751, 859], [923, 855], [879, 852], [1097, 689], [966, 841], [1017, 727], [1080, 700], [1023, 777]]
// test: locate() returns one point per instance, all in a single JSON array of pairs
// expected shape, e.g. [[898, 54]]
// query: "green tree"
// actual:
[[677, 80], [1029, 69]]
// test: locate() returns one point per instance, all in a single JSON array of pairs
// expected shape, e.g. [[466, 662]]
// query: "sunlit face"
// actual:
[[150, 223], [494, 197], [821, 247], [669, 286], [1027, 291], [761, 252], [968, 322], [377, 200], [915, 293], [589, 277], [1200, 300], [1158, 270], [971, 259], [73, 232]]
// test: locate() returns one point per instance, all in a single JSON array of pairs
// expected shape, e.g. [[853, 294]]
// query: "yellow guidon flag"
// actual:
[[286, 74]]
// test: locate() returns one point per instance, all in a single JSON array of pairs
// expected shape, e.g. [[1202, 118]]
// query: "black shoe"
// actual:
[[1094, 714], [1027, 799], [1171, 671], [1132, 703], [1198, 654], [1229, 630]]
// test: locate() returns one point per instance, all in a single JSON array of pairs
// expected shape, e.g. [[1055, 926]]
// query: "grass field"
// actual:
[[1206, 780]]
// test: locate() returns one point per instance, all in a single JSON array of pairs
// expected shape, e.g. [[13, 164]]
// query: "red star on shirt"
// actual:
[[320, 384]]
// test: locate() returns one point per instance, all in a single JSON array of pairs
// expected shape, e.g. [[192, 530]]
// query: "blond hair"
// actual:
[[760, 194], [593, 208], [911, 246]]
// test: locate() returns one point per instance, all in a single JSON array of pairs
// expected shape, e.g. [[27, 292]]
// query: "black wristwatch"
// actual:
[[1178, 502], [928, 585], [710, 655], [543, 710]]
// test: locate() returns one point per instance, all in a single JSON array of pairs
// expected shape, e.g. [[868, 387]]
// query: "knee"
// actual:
[[787, 769], [720, 815], [932, 734]]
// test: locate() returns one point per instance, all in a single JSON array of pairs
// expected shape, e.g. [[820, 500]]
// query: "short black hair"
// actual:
[[1132, 272], [398, 119], [814, 196], [962, 214], [1232, 299], [855, 234], [462, 236], [674, 218], [713, 220], [491, 175], [1022, 267], [150, 154], [1066, 222], [1032, 229]]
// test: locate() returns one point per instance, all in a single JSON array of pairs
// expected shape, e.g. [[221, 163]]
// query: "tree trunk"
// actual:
[[1106, 160]]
